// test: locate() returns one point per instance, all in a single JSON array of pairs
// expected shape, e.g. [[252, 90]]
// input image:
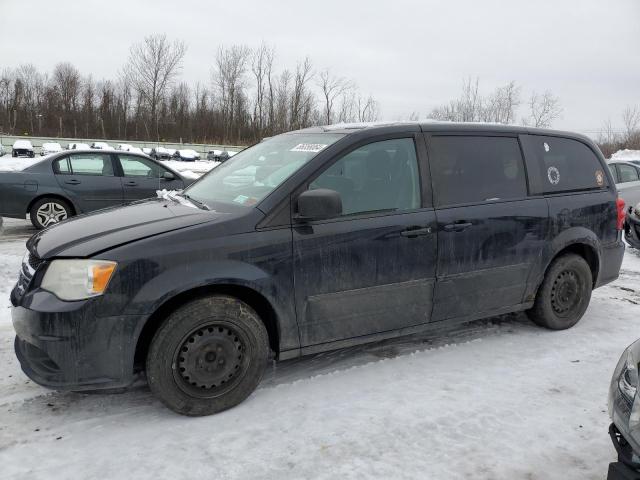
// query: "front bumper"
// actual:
[[625, 468], [68, 346]]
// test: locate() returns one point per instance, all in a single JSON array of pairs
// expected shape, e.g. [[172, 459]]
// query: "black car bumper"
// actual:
[[610, 262], [625, 468], [632, 230], [68, 346]]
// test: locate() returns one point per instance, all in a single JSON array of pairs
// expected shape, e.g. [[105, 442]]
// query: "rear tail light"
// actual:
[[621, 213]]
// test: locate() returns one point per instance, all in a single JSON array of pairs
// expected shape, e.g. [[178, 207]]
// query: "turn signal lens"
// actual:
[[99, 276]]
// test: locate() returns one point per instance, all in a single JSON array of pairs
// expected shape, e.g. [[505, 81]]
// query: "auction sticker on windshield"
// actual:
[[308, 147]]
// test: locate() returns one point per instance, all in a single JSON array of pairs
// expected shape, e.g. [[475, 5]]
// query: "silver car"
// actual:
[[627, 176]]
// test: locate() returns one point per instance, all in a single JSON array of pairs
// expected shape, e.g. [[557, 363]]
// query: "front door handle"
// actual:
[[413, 232], [457, 227], [73, 181], [131, 183]]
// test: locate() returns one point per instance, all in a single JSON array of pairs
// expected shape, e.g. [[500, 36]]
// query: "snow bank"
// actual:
[[626, 154], [190, 169]]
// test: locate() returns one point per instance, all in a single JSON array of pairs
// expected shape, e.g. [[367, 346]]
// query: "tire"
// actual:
[[207, 356], [48, 211], [564, 294]]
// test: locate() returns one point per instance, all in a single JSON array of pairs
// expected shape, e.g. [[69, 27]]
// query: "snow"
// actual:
[[496, 399], [22, 144], [17, 164], [626, 155], [190, 169]]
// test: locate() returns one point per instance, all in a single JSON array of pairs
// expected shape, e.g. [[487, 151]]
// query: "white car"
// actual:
[[101, 146], [50, 147], [78, 146], [22, 148], [147, 151], [627, 177]]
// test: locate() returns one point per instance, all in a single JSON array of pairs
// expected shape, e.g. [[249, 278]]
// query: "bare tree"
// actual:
[[152, 67], [332, 88], [631, 122], [229, 78], [543, 109], [261, 66], [301, 97]]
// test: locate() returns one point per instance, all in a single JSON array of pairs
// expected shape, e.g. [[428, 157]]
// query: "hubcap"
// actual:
[[50, 213], [210, 360], [565, 294]]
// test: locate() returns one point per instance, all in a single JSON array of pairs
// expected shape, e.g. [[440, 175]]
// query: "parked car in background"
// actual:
[[627, 177], [124, 146], [218, 155], [78, 146], [22, 148], [186, 155], [101, 146], [624, 405], [147, 150], [50, 147], [339, 236], [73, 182], [162, 153]]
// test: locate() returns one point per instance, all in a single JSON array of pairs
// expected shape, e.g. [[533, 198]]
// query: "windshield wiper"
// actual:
[[197, 203]]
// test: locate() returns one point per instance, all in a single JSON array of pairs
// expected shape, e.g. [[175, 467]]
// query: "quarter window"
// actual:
[[627, 173], [472, 169], [614, 173], [62, 166], [376, 177], [563, 164], [91, 164]]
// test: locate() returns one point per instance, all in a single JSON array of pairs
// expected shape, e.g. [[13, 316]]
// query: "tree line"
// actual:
[[248, 98]]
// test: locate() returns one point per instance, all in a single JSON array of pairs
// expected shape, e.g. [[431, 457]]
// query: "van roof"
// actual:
[[439, 126]]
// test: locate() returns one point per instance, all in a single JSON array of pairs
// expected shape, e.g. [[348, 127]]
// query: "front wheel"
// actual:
[[207, 356], [564, 294], [48, 211]]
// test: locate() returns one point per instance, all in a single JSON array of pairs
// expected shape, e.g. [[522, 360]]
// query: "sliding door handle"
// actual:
[[457, 227]]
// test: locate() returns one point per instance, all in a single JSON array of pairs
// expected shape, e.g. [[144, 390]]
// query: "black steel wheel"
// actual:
[[207, 356], [564, 294]]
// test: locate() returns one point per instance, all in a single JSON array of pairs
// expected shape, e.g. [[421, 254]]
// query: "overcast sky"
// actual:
[[411, 56]]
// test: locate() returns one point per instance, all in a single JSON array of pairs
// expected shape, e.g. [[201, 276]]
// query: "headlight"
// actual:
[[78, 279]]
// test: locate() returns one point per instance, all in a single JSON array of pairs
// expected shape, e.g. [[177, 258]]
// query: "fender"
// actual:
[[223, 273], [566, 238]]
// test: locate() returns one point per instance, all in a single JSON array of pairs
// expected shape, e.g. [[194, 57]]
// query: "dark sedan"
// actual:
[[75, 182]]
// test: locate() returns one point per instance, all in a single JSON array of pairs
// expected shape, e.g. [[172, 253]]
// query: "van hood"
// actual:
[[93, 233]]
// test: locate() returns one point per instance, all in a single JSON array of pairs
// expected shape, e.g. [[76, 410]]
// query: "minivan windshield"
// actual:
[[254, 173]]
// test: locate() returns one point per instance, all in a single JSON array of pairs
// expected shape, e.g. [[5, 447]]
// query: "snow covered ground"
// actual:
[[497, 399], [191, 169]]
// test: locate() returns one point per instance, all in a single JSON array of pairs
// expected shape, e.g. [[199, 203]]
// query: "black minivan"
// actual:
[[315, 240]]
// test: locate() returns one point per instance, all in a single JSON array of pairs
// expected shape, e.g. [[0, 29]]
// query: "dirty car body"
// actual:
[[403, 256]]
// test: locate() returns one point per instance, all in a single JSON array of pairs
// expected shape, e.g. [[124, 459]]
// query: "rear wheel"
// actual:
[[207, 356], [48, 211], [564, 294]]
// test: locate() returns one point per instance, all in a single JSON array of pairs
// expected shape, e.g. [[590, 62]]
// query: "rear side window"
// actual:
[[473, 169], [91, 164], [562, 165], [62, 166], [627, 173]]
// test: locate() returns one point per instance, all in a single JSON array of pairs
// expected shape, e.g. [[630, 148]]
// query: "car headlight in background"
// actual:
[[636, 210], [78, 279]]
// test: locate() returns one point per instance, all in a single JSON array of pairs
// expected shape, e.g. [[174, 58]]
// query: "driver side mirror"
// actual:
[[168, 176], [319, 204]]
